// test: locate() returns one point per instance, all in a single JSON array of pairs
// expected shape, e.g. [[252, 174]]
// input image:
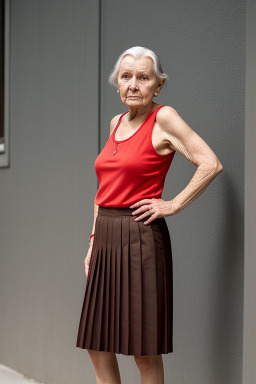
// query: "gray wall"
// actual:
[[59, 112], [201, 45], [249, 342], [47, 194]]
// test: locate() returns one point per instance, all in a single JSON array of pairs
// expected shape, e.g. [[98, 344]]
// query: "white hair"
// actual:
[[138, 52]]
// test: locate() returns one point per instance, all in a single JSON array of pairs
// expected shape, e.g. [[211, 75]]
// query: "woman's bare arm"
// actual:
[[94, 221], [190, 145], [95, 216]]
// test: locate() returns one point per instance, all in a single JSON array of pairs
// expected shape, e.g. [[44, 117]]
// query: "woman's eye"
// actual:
[[125, 76], [144, 77]]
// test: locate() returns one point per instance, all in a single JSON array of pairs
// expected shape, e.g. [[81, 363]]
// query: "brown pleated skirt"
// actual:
[[128, 300]]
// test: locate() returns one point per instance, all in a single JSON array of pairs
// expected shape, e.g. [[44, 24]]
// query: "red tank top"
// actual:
[[131, 170]]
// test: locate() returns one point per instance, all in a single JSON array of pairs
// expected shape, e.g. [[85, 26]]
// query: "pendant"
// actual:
[[115, 149]]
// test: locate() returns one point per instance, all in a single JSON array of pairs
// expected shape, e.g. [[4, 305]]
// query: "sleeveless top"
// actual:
[[131, 170]]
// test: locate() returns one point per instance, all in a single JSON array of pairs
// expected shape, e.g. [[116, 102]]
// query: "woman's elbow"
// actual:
[[218, 166], [214, 165]]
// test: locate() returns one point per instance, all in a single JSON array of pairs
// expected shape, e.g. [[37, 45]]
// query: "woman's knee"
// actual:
[[145, 362]]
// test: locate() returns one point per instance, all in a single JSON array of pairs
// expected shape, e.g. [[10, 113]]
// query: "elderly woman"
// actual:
[[128, 301]]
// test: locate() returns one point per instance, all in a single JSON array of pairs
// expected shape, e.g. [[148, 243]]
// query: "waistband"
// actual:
[[116, 211]]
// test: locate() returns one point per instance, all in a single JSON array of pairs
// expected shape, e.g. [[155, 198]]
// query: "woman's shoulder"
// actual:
[[166, 112], [167, 118], [114, 122]]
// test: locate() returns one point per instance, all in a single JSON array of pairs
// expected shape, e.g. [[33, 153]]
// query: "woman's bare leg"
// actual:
[[106, 367], [151, 369]]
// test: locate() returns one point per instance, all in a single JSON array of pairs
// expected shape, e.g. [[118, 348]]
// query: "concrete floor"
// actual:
[[10, 376]]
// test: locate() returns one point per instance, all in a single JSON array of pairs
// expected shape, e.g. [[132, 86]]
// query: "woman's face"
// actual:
[[137, 82]]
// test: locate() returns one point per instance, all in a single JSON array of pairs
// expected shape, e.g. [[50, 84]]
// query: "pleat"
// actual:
[[117, 231], [85, 335], [149, 289], [105, 318], [113, 303], [128, 303], [135, 286], [162, 288], [124, 266], [99, 289], [84, 322], [91, 312], [169, 286]]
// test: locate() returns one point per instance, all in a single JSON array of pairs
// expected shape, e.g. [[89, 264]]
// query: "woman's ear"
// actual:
[[160, 85]]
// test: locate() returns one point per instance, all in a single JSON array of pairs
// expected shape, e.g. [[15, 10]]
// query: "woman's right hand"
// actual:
[[88, 258]]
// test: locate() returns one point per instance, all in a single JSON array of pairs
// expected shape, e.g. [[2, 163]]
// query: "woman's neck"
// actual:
[[139, 113]]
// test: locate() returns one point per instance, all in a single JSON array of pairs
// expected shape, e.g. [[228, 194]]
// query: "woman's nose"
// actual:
[[133, 83]]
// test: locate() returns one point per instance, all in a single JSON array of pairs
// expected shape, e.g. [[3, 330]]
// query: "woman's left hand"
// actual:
[[155, 208]]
